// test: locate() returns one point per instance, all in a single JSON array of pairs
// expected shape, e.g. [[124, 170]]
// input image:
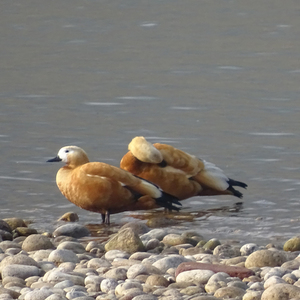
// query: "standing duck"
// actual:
[[177, 172], [102, 188]]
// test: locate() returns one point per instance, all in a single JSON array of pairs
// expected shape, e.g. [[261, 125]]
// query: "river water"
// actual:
[[219, 79]]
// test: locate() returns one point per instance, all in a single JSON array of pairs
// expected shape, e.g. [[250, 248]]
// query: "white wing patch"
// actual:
[[155, 191], [215, 175]]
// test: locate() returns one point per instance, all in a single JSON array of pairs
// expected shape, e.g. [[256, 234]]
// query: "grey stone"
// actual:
[[168, 262], [281, 291], [73, 246], [195, 276], [20, 271], [73, 230], [38, 294], [37, 242], [59, 256], [108, 284]]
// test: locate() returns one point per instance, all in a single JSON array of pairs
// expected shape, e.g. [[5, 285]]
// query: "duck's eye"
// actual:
[[67, 151]]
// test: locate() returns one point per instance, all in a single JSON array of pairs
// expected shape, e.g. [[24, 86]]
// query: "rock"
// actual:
[[96, 263], [145, 297], [265, 258], [93, 279], [108, 284], [38, 294], [291, 265], [9, 244], [13, 223], [281, 291], [226, 251], [37, 242], [117, 273], [20, 271], [191, 251], [140, 255], [232, 271], [73, 246], [56, 276], [154, 234], [11, 293], [131, 293], [273, 280], [126, 240], [252, 295], [234, 261], [113, 254], [192, 290], [56, 297], [5, 226], [215, 282], [73, 230], [59, 256], [152, 244], [229, 292], [141, 269], [247, 249], [173, 239], [69, 217], [19, 259], [289, 278], [195, 276], [121, 288], [94, 245], [24, 231], [137, 227], [64, 284], [292, 244], [212, 244], [77, 294], [41, 255], [5, 235], [168, 262], [277, 271], [157, 280]]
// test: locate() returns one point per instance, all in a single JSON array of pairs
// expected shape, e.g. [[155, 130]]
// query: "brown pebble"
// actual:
[[232, 271]]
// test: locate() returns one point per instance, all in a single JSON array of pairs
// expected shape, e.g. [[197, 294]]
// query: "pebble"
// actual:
[[37, 242], [73, 230], [167, 266]]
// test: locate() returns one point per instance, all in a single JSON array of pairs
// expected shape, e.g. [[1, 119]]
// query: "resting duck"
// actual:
[[102, 188], [177, 172]]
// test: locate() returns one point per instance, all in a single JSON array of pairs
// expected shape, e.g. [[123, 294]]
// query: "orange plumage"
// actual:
[[177, 172], [103, 188]]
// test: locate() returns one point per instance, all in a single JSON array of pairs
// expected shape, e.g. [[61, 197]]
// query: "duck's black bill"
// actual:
[[54, 159]]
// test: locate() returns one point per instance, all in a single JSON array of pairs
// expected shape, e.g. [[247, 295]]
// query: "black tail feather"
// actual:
[[165, 200], [235, 192], [168, 201], [232, 182]]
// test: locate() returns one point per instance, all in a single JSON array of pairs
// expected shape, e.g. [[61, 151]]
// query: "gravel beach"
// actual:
[[141, 263]]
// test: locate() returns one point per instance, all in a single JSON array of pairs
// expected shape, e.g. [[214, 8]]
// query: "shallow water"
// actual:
[[219, 79]]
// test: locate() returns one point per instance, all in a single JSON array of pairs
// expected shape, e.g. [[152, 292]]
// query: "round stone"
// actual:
[[37, 242]]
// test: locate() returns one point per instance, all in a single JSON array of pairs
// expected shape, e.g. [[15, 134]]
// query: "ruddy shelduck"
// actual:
[[177, 172], [106, 189]]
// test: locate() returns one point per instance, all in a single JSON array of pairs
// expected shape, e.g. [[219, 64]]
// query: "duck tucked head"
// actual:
[[73, 156], [144, 151]]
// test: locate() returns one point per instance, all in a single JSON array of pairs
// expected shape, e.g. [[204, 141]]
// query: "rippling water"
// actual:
[[219, 79]]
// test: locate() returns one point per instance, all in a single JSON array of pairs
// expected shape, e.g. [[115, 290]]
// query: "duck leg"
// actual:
[[106, 218]]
